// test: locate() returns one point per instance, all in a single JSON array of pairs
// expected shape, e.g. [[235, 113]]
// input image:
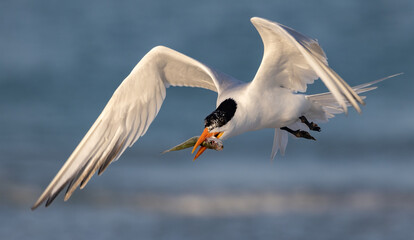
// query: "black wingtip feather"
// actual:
[[50, 200], [70, 185], [111, 156], [52, 197]]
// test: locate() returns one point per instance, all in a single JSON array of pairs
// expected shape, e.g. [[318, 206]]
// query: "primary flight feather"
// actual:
[[272, 100]]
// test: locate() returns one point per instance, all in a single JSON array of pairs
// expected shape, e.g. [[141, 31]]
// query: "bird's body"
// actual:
[[270, 108], [273, 99]]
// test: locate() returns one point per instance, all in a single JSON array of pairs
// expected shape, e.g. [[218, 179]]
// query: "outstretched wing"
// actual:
[[292, 60], [128, 114]]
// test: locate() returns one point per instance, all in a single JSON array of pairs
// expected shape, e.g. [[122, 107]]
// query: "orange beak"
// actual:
[[203, 136]]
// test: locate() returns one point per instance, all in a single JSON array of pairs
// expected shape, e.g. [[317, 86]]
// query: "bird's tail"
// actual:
[[280, 141], [331, 106]]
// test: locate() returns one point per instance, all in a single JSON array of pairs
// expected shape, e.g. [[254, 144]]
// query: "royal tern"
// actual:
[[271, 100]]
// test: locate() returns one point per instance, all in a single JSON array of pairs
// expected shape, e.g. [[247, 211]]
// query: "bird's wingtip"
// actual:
[[258, 20], [36, 204], [253, 19]]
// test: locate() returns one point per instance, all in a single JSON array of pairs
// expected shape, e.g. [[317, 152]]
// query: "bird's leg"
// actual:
[[311, 125], [299, 133]]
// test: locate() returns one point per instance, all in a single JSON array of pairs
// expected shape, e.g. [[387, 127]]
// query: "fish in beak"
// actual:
[[206, 134]]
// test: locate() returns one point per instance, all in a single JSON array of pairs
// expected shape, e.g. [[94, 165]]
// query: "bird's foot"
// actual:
[[311, 125], [299, 133], [303, 134]]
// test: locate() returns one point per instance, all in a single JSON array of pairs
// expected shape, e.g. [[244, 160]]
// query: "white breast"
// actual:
[[275, 108]]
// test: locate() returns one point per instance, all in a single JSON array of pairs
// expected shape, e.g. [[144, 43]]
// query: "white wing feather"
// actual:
[[128, 114], [292, 60]]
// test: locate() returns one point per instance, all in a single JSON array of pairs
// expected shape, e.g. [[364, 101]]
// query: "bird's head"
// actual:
[[216, 123]]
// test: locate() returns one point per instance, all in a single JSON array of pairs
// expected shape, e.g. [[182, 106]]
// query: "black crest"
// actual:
[[221, 115]]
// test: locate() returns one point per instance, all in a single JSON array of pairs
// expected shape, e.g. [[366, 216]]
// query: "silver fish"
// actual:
[[210, 143]]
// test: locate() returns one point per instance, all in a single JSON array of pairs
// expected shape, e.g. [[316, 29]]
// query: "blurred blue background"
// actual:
[[60, 62]]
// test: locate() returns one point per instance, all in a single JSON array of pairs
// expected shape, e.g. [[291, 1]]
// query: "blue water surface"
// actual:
[[61, 61]]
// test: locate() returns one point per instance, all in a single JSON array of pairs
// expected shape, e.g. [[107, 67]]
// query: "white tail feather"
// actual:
[[280, 141], [331, 105]]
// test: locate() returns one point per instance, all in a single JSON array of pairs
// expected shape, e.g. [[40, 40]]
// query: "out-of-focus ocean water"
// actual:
[[61, 61]]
